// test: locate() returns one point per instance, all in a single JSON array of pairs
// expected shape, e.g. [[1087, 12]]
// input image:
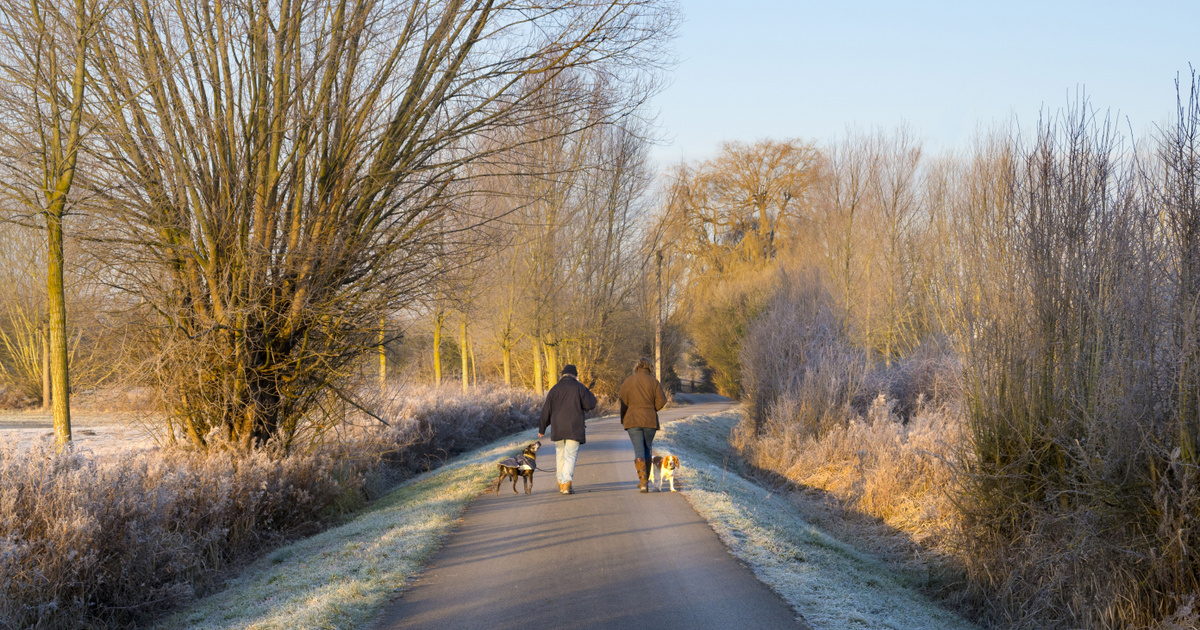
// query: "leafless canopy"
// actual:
[[273, 173]]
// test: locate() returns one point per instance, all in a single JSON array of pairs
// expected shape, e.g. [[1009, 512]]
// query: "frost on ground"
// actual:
[[825, 580], [342, 577], [101, 434]]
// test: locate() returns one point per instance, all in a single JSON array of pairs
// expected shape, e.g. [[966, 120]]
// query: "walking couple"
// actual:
[[641, 398]]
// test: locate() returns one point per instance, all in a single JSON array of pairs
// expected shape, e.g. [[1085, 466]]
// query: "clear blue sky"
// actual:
[[753, 69]]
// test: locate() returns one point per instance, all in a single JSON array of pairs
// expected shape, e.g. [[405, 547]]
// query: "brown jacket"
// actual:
[[641, 398]]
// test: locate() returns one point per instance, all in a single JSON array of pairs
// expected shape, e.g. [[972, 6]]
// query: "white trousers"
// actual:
[[565, 452]]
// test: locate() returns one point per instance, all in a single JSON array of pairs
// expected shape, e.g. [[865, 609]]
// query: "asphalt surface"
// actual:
[[606, 557]]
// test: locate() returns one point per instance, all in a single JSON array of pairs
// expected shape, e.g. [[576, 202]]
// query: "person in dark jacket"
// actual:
[[641, 398], [563, 411]]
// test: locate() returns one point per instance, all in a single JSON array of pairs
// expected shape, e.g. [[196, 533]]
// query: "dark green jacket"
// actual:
[[563, 410]]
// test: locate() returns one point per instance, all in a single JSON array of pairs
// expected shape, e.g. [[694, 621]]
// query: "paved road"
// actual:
[[607, 557]]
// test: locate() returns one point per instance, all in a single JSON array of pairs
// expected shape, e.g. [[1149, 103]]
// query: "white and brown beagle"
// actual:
[[665, 465]]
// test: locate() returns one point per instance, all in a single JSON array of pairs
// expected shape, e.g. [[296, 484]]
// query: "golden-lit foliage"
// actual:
[[738, 208], [560, 277], [725, 222]]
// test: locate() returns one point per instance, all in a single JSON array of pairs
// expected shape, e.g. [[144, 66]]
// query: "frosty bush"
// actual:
[[87, 542]]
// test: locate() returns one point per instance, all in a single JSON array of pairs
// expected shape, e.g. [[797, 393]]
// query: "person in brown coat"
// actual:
[[641, 398]]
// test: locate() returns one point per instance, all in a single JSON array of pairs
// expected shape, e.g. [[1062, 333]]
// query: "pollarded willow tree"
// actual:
[[276, 171], [725, 220], [733, 209]]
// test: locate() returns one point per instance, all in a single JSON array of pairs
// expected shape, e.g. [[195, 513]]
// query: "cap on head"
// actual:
[[570, 369], [642, 364]]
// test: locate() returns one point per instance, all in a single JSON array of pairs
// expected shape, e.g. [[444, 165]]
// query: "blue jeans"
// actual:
[[565, 452], [641, 438]]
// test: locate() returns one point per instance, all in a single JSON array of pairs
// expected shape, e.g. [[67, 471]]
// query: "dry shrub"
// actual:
[[611, 405], [875, 464], [86, 542], [435, 423], [1072, 299], [1186, 617], [794, 364], [929, 376], [869, 462], [14, 398], [883, 441], [823, 415], [722, 320], [1080, 499], [91, 543], [119, 398]]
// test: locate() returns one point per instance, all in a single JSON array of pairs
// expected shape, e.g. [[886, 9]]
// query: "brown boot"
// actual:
[[569, 490], [643, 476], [562, 488]]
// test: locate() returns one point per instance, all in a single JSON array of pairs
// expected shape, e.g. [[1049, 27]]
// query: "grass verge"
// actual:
[[825, 580], [343, 577]]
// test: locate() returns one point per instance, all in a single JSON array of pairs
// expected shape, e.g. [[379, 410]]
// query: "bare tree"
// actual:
[[44, 66], [732, 209], [282, 169], [843, 198], [897, 226]]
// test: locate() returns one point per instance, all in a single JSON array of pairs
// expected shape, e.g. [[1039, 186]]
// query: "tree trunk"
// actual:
[[382, 355], [462, 350], [438, 320], [474, 372], [57, 306], [507, 364], [551, 363], [658, 306], [537, 368], [59, 172], [45, 335]]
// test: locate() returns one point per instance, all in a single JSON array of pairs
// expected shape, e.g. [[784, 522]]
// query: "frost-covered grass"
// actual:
[[825, 580], [102, 539], [342, 577], [105, 435], [88, 541]]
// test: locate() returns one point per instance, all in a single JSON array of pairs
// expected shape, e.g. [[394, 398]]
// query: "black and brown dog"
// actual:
[[520, 466]]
